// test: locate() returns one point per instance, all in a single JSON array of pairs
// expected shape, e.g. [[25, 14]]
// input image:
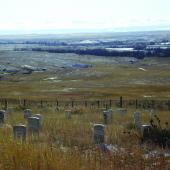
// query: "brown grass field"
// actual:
[[104, 80], [68, 144]]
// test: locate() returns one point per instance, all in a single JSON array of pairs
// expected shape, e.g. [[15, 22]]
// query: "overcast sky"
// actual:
[[82, 14]]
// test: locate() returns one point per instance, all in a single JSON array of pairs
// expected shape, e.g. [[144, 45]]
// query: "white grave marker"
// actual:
[[137, 120], [2, 116], [38, 116], [110, 113], [27, 113], [68, 114], [34, 124], [146, 131], [98, 133], [106, 116], [19, 131], [122, 111]]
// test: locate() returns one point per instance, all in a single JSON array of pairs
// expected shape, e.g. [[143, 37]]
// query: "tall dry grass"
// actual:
[[68, 144]]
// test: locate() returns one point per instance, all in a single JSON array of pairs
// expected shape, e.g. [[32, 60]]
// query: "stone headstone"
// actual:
[[68, 114], [27, 113], [146, 130], [19, 131], [106, 117], [122, 111], [137, 120], [98, 133], [110, 113], [38, 116], [2, 116], [33, 124]]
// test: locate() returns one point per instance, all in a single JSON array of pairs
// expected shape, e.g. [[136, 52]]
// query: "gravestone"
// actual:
[[34, 125], [38, 116], [68, 114], [19, 131], [146, 131], [98, 133], [106, 117], [122, 111], [137, 120], [2, 116], [27, 113], [110, 113]]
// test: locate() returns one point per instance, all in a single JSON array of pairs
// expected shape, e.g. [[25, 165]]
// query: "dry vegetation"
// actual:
[[107, 78], [68, 143]]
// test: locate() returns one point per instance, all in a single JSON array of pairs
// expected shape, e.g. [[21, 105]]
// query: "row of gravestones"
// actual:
[[34, 123], [99, 134], [20, 130], [108, 116], [98, 129]]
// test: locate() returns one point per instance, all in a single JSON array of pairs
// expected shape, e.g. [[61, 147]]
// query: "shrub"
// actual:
[[158, 135]]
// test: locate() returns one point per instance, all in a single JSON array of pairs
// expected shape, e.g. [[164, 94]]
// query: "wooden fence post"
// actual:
[[168, 104], [85, 103], [41, 103], [136, 103], [153, 104], [72, 104], [24, 104], [121, 101], [98, 103], [110, 103], [6, 104]]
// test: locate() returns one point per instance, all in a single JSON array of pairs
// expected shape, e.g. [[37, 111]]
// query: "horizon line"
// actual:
[[73, 31]]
